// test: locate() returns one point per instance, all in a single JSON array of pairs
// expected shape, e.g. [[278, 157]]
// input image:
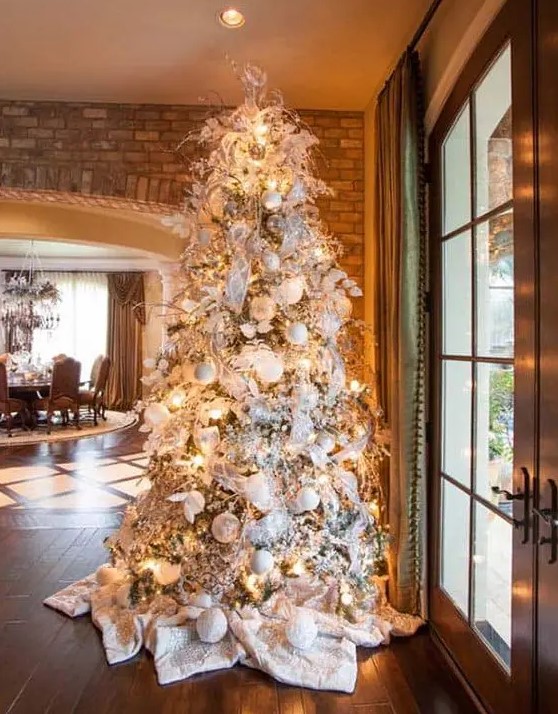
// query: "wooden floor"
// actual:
[[49, 663]]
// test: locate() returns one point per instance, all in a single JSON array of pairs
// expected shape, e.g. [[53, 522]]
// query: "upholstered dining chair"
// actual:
[[93, 374], [8, 405], [94, 398], [64, 392]]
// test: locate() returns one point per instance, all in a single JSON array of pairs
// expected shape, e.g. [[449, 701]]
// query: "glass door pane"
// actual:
[[457, 295], [457, 173]]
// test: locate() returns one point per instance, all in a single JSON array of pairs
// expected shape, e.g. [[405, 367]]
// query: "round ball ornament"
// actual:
[[301, 629], [225, 528], [212, 625], [269, 369], [261, 562], [204, 373], [166, 573], [272, 200], [201, 599], [262, 308], [156, 415], [275, 224], [108, 575], [291, 290], [271, 261], [297, 333], [307, 499]]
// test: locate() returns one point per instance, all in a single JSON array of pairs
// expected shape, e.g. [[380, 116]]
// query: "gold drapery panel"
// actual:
[[125, 331], [400, 269]]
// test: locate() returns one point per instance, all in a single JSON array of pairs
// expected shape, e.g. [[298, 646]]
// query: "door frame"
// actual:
[[495, 688]]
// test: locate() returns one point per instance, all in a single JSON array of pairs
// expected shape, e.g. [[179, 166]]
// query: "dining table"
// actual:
[[28, 389]]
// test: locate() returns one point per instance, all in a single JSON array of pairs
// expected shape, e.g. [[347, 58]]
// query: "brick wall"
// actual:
[[129, 151]]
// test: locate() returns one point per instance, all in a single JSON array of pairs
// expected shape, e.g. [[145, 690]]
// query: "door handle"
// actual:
[[549, 516], [522, 495]]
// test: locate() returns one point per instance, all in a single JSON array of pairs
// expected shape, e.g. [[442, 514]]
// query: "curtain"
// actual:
[[400, 269], [82, 332], [125, 328]]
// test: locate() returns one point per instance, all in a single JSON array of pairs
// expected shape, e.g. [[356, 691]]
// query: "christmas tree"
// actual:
[[264, 502]]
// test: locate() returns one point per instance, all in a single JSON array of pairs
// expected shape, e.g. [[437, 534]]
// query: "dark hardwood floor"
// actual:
[[50, 663]]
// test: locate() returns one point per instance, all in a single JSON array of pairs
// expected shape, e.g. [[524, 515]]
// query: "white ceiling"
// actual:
[[320, 53]]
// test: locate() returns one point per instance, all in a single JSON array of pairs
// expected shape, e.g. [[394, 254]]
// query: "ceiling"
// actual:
[[320, 53]]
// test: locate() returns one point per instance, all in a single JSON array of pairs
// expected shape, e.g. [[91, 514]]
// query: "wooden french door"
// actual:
[[484, 386]]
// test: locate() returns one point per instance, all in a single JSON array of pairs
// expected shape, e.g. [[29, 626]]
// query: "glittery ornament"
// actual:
[[262, 308], [225, 528], [166, 573], [271, 200], [271, 261], [201, 599], [269, 368], [156, 414], [256, 489], [291, 290], [297, 333], [261, 562], [204, 373], [212, 625], [301, 629], [297, 194]]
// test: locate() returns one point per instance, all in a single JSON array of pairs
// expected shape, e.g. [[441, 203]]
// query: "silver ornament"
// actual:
[[225, 528]]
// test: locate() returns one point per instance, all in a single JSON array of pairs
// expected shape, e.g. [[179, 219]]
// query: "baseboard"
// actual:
[[446, 654]]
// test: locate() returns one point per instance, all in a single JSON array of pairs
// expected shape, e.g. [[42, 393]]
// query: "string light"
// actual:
[[198, 460], [298, 568], [346, 598], [215, 413], [355, 386]]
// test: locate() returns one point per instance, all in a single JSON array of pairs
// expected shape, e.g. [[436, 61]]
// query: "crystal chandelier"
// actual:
[[29, 303]]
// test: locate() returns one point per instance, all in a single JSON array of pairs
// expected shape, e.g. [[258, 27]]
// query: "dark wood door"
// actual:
[[547, 505], [484, 387]]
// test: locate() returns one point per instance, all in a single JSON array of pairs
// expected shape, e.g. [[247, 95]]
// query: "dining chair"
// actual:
[[9, 405], [94, 398], [93, 374], [64, 393]]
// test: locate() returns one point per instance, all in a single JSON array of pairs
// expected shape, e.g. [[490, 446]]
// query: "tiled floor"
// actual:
[[88, 483]]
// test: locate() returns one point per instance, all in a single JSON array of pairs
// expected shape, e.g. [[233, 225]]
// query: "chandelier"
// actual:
[[29, 303]]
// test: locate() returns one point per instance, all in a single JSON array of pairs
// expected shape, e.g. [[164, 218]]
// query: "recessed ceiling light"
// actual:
[[231, 18]]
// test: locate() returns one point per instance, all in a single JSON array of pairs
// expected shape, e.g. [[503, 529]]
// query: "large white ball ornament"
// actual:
[[269, 369], [307, 499], [204, 373], [297, 333], [271, 200], [262, 308], [107, 575], [256, 490], [301, 629], [156, 414], [225, 528], [271, 261], [212, 625], [326, 442], [261, 562], [291, 290], [166, 573]]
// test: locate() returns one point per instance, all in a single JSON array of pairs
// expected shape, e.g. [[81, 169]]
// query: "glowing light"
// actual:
[[271, 184], [251, 583], [215, 413], [177, 399], [355, 385], [346, 599], [149, 564], [305, 363], [298, 568], [231, 18], [261, 130], [198, 460], [374, 509]]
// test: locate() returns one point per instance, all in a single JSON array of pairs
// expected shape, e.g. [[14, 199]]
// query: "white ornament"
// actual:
[[271, 261], [326, 442], [204, 373], [307, 499], [193, 504], [297, 194], [271, 200], [225, 528], [291, 290], [261, 562], [166, 573], [269, 368], [297, 333], [262, 309], [301, 629], [201, 599], [207, 439], [122, 596], [107, 575], [204, 236], [156, 415], [212, 625], [256, 490], [248, 330]]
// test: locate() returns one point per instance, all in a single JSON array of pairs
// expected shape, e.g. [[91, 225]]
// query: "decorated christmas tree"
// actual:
[[260, 537]]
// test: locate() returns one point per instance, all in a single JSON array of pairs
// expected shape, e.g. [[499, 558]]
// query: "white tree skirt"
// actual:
[[255, 638]]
